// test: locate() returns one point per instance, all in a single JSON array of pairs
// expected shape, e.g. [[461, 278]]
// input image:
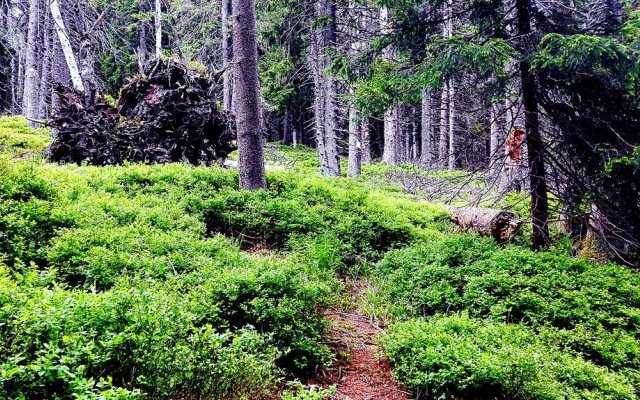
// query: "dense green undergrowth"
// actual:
[[165, 282], [126, 282], [17, 139], [480, 321]]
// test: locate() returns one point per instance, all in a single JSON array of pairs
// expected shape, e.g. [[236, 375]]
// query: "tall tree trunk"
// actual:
[[294, 137], [390, 151], [496, 142], [247, 92], [366, 141], [426, 152], [403, 130], [412, 139], [87, 57], [451, 103], [227, 55], [66, 47], [45, 74], [355, 142], [326, 117], [142, 45], [287, 135], [535, 144], [15, 107], [331, 127], [32, 76], [20, 85], [514, 173], [443, 142], [331, 112], [392, 140], [158, 27], [452, 126], [355, 119], [59, 70], [15, 41], [318, 97]]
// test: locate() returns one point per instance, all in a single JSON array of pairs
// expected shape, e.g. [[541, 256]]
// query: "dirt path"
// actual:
[[360, 373]]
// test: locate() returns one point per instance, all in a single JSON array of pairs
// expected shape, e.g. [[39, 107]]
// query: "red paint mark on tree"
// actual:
[[515, 142]]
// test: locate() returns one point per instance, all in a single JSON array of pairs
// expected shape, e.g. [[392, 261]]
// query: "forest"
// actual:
[[320, 199]]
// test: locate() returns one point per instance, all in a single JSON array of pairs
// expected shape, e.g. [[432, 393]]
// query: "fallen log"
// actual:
[[501, 225]]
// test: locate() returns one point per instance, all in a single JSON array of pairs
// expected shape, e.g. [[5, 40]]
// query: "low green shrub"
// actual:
[[364, 222], [153, 338], [142, 303], [564, 305], [457, 357], [512, 285], [26, 205], [19, 140], [136, 287], [299, 391], [145, 301]]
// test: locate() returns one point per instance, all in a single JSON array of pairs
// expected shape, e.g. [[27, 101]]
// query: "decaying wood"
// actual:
[[499, 224], [166, 115]]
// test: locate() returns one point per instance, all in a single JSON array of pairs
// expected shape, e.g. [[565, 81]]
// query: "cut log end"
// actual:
[[501, 225]]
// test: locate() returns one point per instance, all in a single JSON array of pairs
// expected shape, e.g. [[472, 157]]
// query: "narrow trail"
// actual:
[[360, 373]]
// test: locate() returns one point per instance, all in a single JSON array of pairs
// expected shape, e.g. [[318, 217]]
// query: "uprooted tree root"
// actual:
[[166, 115]]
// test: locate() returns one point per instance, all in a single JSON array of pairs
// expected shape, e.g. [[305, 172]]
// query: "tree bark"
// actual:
[[496, 142], [366, 141], [45, 74], [32, 76], [513, 171], [326, 123], [20, 86], [59, 73], [535, 144], [247, 92], [452, 127], [412, 140], [443, 143], [15, 38], [227, 55], [426, 152], [86, 53], [294, 137], [15, 107], [355, 142], [142, 46], [451, 103], [287, 129], [65, 44], [390, 151], [158, 27]]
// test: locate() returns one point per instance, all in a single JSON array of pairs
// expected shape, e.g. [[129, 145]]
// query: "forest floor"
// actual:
[[360, 373], [93, 256]]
